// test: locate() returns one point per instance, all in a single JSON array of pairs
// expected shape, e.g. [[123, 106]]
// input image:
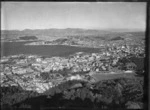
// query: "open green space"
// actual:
[[106, 76]]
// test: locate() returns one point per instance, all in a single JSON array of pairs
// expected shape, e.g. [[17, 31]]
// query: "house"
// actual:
[[38, 59], [77, 77]]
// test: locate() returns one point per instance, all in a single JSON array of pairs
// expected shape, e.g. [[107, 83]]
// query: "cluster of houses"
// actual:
[[27, 70]]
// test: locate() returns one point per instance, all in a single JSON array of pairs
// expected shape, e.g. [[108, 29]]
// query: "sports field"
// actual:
[[106, 76]]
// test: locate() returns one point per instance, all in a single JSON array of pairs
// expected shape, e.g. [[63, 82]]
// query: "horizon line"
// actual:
[[135, 29]]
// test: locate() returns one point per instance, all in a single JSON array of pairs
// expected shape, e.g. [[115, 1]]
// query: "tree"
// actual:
[[131, 66], [45, 76]]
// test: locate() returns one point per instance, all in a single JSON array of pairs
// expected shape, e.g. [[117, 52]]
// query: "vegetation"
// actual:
[[12, 95], [136, 63], [116, 93]]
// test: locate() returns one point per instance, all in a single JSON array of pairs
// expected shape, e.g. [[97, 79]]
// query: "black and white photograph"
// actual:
[[73, 55]]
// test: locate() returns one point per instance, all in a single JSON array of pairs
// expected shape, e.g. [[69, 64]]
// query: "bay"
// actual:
[[15, 48]]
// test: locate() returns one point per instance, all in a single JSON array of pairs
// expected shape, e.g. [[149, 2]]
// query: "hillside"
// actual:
[[122, 93]]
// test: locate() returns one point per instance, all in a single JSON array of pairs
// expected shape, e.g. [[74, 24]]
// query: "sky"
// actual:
[[87, 15]]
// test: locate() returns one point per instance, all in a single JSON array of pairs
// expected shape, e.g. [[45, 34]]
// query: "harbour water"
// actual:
[[15, 48]]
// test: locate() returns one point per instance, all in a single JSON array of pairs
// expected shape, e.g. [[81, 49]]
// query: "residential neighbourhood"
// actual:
[[28, 71]]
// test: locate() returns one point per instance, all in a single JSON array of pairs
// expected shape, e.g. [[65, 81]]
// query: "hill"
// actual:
[[47, 34], [28, 38]]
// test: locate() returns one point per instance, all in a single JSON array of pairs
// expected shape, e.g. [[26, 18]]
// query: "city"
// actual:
[[27, 70], [73, 55]]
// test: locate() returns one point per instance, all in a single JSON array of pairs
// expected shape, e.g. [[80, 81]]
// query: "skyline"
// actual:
[[61, 15]]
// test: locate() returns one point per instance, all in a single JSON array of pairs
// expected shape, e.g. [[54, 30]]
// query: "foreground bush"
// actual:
[[116, 93]]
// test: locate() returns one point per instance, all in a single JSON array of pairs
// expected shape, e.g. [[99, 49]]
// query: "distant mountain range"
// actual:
[[12, 34], [54, 31]]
